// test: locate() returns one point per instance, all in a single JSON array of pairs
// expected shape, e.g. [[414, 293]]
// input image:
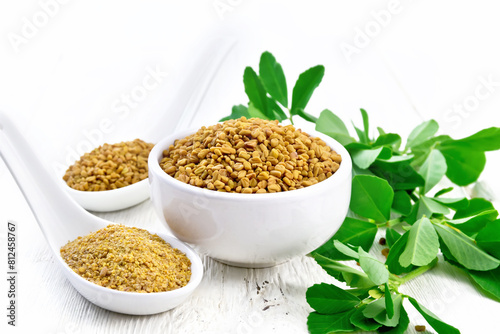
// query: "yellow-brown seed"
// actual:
[[111, 166], [239, 155], [127, 259]]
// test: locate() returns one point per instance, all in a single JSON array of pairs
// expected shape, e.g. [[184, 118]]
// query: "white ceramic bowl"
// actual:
[[251, 230]]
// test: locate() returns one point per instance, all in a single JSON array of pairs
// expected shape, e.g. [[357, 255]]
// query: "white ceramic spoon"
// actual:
[[180, 110], [61, 220]]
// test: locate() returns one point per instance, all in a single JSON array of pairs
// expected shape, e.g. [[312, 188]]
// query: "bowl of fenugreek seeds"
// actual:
[[111, 176], [250, 192]]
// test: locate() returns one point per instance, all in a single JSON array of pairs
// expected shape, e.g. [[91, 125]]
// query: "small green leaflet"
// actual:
[[422, 246], [392, 140], [433, 169], [364, 135], [474, 217], [371, 197], [362, 322], [305, 86], [429, 206], [488, 280], [465, 251], [443, 191], [255, 90], [391, 237], [395, 252], [330, 323], [352, 231], [489, 238], [484, 140], [401, 203], [366, 157], [389, 303], [273, 78], [331, 125], [464, 165], [376, 310], [352, 277], [330, 299], [401, 327], [433, 320], [475, 207], [453, 203], [400, 175], [345, 250], [421, 133], [376, 270], [237, 112]]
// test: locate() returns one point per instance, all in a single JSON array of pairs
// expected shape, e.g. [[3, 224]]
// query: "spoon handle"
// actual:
[[53, 209]]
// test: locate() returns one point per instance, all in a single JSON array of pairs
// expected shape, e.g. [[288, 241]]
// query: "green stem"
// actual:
[[412, 274], [413, 197]]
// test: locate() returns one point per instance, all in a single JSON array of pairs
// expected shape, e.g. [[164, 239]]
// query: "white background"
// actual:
[[62, 75]]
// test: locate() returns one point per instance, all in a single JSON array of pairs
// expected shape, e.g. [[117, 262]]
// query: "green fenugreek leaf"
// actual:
[[352, 231], [255, 91], [376, 270], [331, 125], [371, 197], [421, 133], [273, 78], [307, 82], [465, 250], [422, 246], [330, 299], [433, 320]]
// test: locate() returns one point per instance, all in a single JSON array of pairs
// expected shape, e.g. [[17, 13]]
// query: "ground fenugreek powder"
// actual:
[[250, 156], [110, 166], [128, 259]]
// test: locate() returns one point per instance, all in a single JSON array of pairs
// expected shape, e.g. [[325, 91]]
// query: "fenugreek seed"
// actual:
[[238, 166], [219, 184], [253, 183], [242, 174], [170, 170], [244, 155], [274, 188], [276, 173], [245, 182], [246, 190], [255, 160], [203, 153], [263, 176], [247, 165]]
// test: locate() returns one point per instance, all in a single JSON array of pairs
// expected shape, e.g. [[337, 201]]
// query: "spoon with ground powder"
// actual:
[[108, 264], [110, 177]]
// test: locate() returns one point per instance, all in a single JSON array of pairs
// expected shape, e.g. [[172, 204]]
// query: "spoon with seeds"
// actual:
[[188, 96], [61, 219]]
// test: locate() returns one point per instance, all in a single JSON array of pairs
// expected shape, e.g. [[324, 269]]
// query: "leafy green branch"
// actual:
[[268, 95], [393, 188]]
